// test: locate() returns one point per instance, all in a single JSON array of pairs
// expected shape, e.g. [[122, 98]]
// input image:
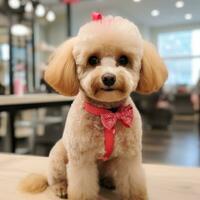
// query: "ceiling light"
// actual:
[[20, 30], [136, 1], [51, 16], [40, 10], [155, 13], [14, 4], [29, 7], [188, 16], [179, 4]]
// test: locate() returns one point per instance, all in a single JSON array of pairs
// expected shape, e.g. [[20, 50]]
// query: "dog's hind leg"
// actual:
[[57, 176]]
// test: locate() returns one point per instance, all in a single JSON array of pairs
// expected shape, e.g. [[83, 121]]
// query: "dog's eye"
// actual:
[[93, 60], [123, 60]]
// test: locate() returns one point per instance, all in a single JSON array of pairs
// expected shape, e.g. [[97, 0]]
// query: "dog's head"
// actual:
[[108, 59]]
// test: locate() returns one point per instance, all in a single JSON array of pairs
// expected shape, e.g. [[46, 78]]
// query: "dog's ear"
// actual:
[[61, 70], [153, 71]]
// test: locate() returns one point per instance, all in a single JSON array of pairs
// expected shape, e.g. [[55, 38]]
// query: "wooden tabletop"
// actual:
[[32, 98], [164, 182]]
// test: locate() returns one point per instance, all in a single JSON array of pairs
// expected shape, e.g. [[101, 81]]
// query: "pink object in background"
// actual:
[[18, 87], [195, 101], [70, 1]]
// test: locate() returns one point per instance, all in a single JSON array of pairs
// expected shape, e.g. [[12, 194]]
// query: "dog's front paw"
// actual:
[[60, 189]]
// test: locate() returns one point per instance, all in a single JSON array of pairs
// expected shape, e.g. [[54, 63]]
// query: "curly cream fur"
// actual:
[[33, 183], [74, 165]]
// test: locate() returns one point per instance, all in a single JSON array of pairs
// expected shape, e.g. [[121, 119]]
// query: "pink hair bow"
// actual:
[[96, 16]]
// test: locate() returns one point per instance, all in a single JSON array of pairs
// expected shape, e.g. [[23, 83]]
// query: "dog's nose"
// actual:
[[108, 79]]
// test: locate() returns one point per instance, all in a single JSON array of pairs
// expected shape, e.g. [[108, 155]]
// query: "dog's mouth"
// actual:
[[108, 94], [108, 89]]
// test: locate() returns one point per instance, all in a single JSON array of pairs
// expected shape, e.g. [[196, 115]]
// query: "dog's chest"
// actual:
[[123, 138]]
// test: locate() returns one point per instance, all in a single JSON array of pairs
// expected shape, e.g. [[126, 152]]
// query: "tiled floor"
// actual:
[[177, 146]]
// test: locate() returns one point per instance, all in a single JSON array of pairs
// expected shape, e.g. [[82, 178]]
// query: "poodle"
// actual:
[[101, 66]]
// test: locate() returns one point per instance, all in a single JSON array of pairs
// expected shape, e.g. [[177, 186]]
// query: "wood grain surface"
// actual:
[[164, 182], [32, 98]]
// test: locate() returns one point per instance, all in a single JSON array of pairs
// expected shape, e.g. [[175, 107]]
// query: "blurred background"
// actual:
[[31, 121]]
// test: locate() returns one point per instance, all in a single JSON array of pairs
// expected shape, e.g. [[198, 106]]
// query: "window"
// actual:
[[4, 52], [181, 52]]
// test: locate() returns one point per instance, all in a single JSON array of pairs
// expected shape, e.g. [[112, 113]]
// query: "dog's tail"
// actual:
[[34, 183]]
